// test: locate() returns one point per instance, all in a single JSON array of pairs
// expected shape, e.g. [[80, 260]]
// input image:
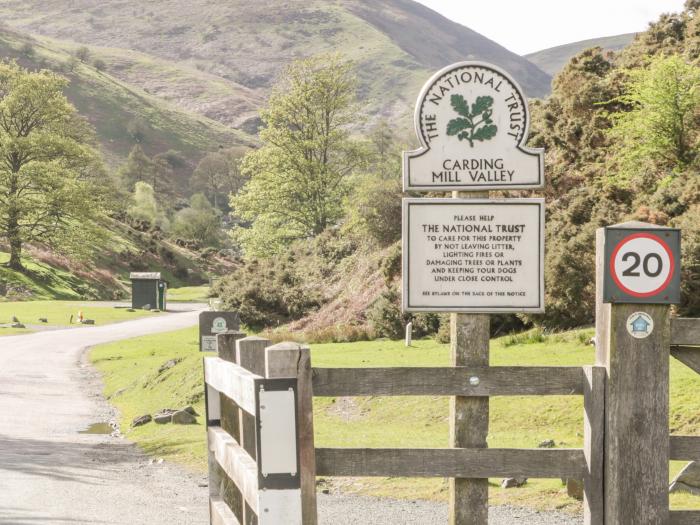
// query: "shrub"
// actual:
[[386, 316]]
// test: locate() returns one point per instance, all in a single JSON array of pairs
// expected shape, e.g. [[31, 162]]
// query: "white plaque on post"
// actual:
[[472, 121], [473, 255]]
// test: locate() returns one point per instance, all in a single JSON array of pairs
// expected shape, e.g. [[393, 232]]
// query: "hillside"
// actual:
[[554, 59], [114, 107], [221, 58]]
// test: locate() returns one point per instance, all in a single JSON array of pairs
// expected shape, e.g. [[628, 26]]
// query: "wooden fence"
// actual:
[[263, 464]]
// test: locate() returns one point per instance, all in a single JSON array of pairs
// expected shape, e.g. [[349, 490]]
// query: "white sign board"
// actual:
[[473, 255], [209, 343], [472, 121]]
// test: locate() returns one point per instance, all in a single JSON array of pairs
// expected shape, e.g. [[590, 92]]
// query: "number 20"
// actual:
[[631, 270]]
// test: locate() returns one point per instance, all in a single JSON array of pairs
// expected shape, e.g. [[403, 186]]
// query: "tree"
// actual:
[[200, 222], [47, 164], [661, 128], [211, 176], [99, 64], [298, 177], [145, 208], [83, 54], [139, 167]]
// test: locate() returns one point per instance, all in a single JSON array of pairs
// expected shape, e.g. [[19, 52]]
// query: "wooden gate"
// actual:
[[623, 464]]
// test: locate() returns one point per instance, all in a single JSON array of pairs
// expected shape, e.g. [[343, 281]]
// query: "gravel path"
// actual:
[[354, 510]]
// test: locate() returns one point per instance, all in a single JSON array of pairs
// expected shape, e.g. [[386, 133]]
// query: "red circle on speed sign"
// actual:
[[642, 265]]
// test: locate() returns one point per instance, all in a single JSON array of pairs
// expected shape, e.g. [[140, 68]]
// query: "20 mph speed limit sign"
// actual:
[[642, 265]]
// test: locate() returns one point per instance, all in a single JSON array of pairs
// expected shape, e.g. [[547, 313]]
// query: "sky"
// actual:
[[524, 26]]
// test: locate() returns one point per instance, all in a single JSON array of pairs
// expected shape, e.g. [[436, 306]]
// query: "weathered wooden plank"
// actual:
[[594, 444], [688, 355], [233, 381], [451, 462], [685, 448], [446, 381], [236, 463], [220, 513], [294, 360], [684, 517], [685, 332], [469, 418]]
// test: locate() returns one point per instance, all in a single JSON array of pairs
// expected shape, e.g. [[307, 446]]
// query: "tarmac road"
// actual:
[[49, 472]]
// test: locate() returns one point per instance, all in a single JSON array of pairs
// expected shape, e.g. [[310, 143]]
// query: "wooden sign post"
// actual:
[[472, 258], [638, 268]]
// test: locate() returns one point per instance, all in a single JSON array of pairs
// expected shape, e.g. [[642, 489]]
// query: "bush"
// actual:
[[386, 316]]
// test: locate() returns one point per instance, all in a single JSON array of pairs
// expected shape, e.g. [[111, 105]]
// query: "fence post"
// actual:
[[636, 407], [594, 444], [285, 360]]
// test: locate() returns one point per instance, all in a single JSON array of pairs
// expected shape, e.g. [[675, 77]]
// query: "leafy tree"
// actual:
[[211, 176], [47, 164], [139, 167], [661, 129], [298, 178], [83, 54], [200, 222], [145, 207]]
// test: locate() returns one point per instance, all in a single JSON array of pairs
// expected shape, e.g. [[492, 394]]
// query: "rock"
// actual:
[[168, 365], [509, 483], [591, 341], [182, 417], [190, 410], [146, 307], [574, 488], [688, 480], [141, 420], [88, 321], [162, 419], [18, 325], [549, 443], [43, 320]]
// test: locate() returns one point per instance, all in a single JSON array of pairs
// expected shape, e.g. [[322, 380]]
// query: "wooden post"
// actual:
[[636, 409], [594, 444], [230, 423], [285, 360], [469, 416]]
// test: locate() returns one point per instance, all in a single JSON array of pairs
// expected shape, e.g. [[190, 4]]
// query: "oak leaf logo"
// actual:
[[474, 123]]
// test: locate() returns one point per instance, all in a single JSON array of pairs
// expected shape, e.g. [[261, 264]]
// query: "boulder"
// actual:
[[164, 416], [688, 480], [190, 410], [509, 483], [549, 443], [18, 325], [574, 488], [168, 365], [141, 420], [182, 417]]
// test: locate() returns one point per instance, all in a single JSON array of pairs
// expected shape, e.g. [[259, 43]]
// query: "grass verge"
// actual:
[[135, 386]]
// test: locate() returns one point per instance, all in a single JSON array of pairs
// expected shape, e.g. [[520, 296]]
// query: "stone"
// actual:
[[141, 420], [687, 480], [549, 443], [509, 483], [190, 410], [43, 320], [18, 325], [164, 416], [88, 321], [181, 417], [574, 488], [168, 365], [146, 307]]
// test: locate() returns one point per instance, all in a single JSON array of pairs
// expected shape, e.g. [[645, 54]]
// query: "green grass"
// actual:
[[132, 381], [58, 313], [189, 294]]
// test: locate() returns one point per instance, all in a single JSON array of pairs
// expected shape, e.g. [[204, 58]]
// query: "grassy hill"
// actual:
[[114, 107], [552, 60], [219, 59]]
